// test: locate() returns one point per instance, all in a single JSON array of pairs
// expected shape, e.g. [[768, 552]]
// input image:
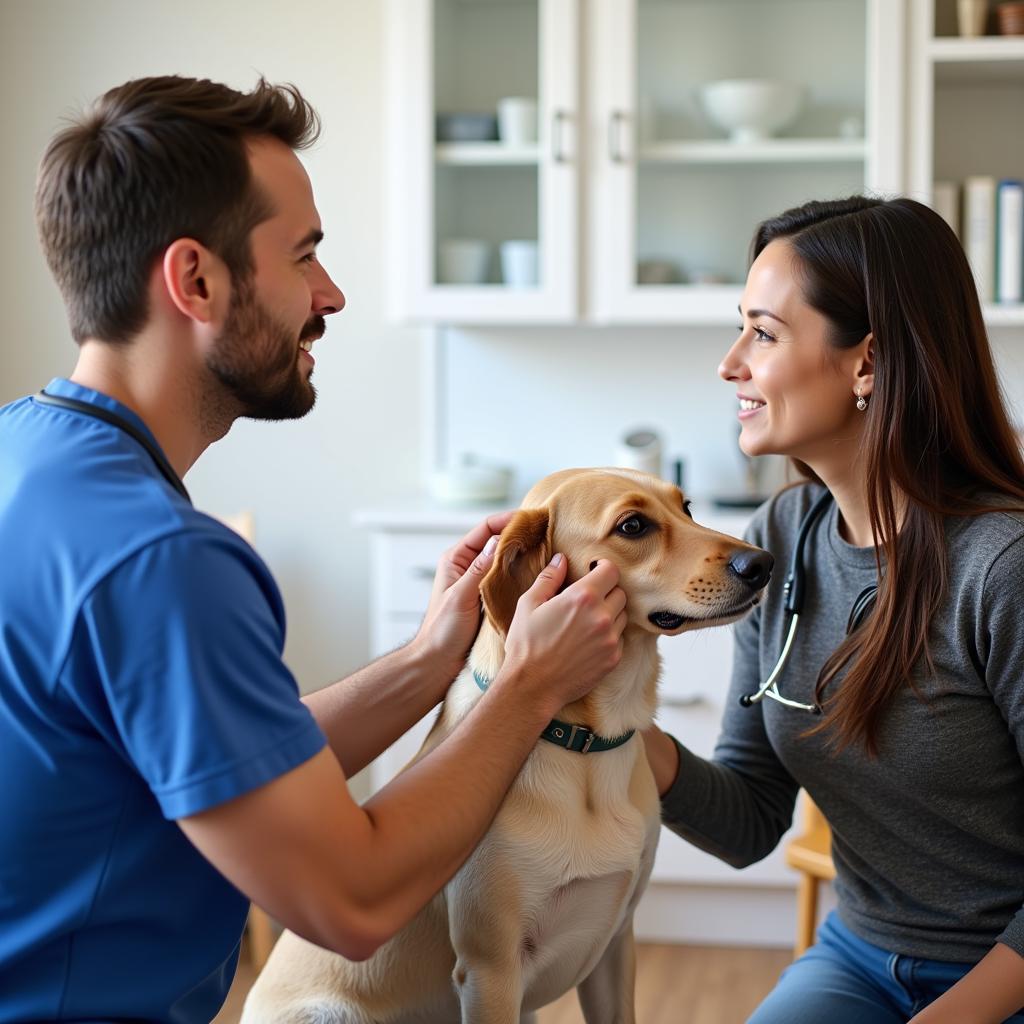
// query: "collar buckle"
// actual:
[[591, 736]]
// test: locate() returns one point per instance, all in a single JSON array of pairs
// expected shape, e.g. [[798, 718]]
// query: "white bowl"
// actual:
[[750, 109]]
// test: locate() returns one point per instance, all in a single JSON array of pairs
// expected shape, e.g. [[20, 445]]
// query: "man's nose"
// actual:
[[328, 297]]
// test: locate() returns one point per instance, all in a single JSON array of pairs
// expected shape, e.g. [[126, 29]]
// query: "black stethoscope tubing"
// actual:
[[100, 413], [793, 589]]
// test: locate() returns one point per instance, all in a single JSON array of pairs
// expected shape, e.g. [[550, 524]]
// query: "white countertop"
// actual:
[[420, 513]]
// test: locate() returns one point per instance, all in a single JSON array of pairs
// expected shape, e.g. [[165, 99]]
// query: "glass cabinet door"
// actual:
[[721, 113], [484, 159]]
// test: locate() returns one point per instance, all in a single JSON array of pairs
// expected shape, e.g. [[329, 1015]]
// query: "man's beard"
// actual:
[[256, 358]]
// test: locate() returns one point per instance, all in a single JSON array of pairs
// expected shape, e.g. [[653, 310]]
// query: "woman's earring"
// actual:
[[862, 402]]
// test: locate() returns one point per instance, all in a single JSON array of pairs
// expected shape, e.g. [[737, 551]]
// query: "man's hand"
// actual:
[[568, 643], [453, 614]]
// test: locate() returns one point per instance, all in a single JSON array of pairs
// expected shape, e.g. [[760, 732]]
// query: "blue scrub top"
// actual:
[[141, 681]]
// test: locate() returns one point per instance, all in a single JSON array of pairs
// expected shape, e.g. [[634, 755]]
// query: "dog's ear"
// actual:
[[524, 549]]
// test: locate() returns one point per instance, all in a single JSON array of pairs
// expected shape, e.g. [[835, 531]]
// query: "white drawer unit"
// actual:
[[696, 669]]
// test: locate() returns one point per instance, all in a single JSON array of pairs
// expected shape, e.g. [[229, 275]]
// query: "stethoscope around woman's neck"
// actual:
[[793, 590], [100, 413]]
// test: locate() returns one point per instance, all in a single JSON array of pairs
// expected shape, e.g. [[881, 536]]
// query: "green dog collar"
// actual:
[[572, 737]]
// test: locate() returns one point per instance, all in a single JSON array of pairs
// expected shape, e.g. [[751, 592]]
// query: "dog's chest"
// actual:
[[571, 820]]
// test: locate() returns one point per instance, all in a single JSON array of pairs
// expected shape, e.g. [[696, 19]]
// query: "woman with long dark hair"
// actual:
[[863, 356]]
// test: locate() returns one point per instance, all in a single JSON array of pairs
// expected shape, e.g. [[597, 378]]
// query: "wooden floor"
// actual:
[[674, 985]]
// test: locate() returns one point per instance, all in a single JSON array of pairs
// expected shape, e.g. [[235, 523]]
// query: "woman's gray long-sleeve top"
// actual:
[[928, 839]]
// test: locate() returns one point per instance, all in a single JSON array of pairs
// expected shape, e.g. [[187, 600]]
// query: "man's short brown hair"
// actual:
[[156, 159]]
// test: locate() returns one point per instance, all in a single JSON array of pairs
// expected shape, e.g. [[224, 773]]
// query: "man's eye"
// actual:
[[634, 526]]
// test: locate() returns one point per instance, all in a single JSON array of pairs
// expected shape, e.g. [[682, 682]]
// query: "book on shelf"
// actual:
[[1009, 262], [979, 232], [945, 202]]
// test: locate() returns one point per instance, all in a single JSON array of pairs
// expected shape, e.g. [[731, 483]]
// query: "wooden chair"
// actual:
[[260, 935], [811, 855]]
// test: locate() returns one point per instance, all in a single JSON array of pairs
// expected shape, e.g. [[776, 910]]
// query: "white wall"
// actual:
[[360, 444], [540, 399]]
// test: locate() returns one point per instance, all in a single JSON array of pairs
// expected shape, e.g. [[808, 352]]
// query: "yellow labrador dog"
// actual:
[[545, 903]]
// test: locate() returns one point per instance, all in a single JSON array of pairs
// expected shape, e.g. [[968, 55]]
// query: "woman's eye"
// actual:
[[634, 526], [762, 335]]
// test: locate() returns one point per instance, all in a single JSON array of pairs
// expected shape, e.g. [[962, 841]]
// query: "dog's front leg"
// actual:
[[491, 992], [485, 921], [606, 994]]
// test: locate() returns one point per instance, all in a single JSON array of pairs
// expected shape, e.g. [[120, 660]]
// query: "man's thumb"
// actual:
[[550, 580], [478, 568]]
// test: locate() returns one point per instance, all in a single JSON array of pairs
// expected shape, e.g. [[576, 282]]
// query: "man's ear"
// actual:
[[524, 549], [195, 281]]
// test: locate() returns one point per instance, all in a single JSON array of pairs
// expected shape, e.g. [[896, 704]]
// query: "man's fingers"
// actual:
[[473, 543], [546, 585], [481, 564], [601, 580]]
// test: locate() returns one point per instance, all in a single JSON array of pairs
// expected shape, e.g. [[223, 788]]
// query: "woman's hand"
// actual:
[[453, 614], [663, 755]]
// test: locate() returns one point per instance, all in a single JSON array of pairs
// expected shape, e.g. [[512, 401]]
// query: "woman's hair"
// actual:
[[937, 441], [156, 159]]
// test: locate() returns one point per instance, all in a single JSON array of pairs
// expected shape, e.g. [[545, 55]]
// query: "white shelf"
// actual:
[[486, 154], [986, 59], [768, 151], [999, 315]]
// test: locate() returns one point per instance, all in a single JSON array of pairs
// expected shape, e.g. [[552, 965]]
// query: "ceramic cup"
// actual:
[[972, 16], [519, 263], [517, 120], [463, 261], [640, 449]]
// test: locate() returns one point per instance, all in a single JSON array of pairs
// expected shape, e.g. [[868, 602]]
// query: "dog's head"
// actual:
[[676, 574]]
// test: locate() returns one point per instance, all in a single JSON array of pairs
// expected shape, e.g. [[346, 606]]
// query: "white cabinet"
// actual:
[[669, 190], [966, 98], [641, 208], [454, 204], [405, 546]]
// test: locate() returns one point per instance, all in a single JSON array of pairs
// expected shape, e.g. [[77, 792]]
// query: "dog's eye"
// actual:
[[634, 526]]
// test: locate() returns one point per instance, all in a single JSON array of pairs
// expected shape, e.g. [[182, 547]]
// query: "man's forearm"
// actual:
[[363, 714], [407, 858], [989, 993]]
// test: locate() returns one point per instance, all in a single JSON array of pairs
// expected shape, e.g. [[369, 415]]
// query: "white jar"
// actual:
[[463, 261], [517, 120], [519, 263]]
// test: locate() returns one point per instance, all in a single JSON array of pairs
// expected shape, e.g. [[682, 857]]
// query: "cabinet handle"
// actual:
[[558, 153], [693, 700], [615, 151], [423, 572]]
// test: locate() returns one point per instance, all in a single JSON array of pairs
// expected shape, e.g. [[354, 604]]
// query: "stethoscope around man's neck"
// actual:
[[100, 413], [794, 595]]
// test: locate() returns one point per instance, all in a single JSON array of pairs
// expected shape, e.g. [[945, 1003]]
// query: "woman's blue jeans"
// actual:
[[842, 979]]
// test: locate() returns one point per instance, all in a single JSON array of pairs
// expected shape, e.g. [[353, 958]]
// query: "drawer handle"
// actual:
[[423, 572], [693, 700], [616, 153]]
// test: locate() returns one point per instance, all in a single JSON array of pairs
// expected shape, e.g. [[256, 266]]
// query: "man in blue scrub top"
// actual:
[[157, 767]]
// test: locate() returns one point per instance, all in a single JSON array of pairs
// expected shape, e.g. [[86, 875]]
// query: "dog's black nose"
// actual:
[[752, 566]]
